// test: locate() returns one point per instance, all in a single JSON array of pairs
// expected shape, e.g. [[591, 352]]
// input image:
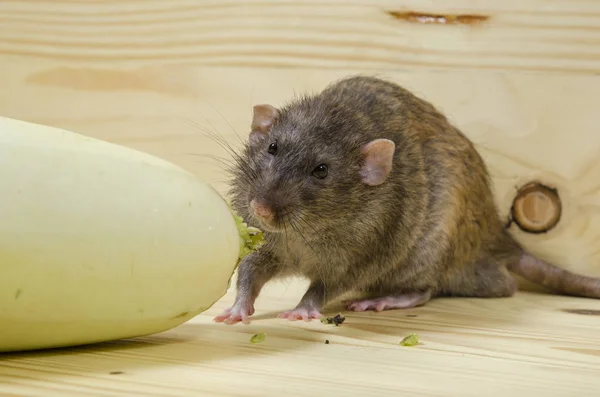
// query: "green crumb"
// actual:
[[251, 238], [258, 338], [410, 340]]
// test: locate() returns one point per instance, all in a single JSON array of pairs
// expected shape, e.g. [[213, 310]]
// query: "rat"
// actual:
[[365, 187]]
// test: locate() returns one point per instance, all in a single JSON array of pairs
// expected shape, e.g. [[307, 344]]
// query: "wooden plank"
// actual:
[[469, 347], [371, 35]]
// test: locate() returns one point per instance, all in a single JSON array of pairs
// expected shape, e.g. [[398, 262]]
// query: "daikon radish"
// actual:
[[100, 242]]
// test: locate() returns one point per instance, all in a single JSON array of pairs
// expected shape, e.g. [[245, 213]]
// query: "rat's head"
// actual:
[[308, 166]]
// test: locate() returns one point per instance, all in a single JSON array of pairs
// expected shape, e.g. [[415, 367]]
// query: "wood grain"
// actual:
[[521, 80], [469, 347], [525, 35]]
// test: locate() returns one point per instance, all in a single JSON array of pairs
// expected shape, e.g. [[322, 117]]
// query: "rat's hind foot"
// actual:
[[390, 302], [236, 313], [301, 314]]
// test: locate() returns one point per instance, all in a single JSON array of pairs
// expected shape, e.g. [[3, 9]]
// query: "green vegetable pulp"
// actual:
[[251, 238], [258, 338], [410, 340]]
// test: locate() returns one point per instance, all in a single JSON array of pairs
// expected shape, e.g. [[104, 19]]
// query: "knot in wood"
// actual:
[[536, 208]]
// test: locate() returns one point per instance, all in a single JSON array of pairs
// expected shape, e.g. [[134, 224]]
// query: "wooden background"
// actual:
[[519, 77]]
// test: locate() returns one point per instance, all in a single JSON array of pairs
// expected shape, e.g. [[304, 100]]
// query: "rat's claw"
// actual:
[[235, 314], [301, 314]]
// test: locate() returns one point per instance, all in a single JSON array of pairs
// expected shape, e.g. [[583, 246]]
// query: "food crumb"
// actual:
[[410, 340], [326, 341], [258, 338], [337, 320]]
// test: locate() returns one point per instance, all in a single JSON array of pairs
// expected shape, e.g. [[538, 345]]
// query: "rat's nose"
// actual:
[[262, 210]]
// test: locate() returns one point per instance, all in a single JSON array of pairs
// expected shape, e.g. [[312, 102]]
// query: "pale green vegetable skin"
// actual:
[[100, 242]]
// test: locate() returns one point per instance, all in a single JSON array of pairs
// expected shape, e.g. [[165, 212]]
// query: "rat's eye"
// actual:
[[321, 171], [272, 148]]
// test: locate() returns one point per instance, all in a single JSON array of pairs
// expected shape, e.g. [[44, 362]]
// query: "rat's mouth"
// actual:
[[270, 226]]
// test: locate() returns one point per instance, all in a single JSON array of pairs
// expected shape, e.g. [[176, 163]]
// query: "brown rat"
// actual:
[[365, 187]]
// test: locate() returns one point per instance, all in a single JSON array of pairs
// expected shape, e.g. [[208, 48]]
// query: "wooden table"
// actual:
[[530, 345]]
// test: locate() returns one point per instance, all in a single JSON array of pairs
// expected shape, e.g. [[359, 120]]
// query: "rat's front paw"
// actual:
[[235, 314], [301, 314]]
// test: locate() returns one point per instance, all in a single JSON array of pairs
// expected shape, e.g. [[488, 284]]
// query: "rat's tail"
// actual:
[[554, 278]]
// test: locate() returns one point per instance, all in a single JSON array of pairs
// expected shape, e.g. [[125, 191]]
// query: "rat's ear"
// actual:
[[263, 118], [378, 156]]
